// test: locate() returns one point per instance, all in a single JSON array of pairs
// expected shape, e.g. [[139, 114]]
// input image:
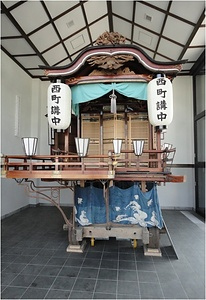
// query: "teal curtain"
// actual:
[[90, 91]]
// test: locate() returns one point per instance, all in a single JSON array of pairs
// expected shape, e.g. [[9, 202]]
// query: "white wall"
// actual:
[[14, 82], [39, 105], [33, 95], [180, 134]]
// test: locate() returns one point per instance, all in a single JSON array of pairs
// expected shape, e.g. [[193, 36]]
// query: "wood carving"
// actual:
[[109, 62], [120, 71], [110, 38]]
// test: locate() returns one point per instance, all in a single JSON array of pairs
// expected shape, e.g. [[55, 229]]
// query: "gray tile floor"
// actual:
[[35, 264]]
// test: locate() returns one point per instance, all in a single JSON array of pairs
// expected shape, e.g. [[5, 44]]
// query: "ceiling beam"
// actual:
[[197, 26], [133, 18], [86, 22], [162, 29], [110, 18]]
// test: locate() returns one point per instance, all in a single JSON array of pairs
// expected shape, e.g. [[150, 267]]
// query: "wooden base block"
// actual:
[[77, 248], [152, 251]]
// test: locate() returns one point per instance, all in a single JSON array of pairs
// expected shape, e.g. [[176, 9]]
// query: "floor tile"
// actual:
[[145, 266], [42, 282], [23, 280], [84, 284], [127, 265], [88, 273], [106, 285], [40, 260], [69, 271], [150, 291], [104, 296], [80, 295], [76, 262], [15, 268], [127, 275], [147, 276], [57, 294], [89, 262], [50, 270], [173, 289], [32, 270], [7, 278], [34, 293], [107, 274], [63, 283], [109, 264], [57, 261], [13, 292], [128, 287]]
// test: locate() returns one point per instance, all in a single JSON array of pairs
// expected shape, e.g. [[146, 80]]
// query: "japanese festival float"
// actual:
[[108, 111]]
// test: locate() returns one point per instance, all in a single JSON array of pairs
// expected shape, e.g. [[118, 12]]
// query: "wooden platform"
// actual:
[[94, 167]]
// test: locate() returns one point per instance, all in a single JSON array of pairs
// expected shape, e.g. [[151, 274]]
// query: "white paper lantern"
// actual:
[[160, 101], [59, 105]]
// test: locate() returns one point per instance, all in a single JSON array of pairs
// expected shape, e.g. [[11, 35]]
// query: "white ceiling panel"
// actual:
[[199, 38], [8, 29], [66, 62], [161, 58], [77, 42], [95, 9], [189, 10], [145, 38], [169, 49], [143, 15], [37, 72], [55, 55], [57, 7], [70, 22], [29, 61], [122, 27], [192, 53], [159, 4], [177, 30], [38, 38], [123, 8], [187, 66], [98, 28], [148, 52], [30, 15], [9, 3], [17, 46]]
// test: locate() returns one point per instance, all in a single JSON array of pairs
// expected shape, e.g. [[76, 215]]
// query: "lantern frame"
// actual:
[[138, 147], [82, 145], [117, 146], [30, 145]]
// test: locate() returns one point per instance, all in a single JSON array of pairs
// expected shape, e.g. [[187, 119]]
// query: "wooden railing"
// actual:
[[149, 166]]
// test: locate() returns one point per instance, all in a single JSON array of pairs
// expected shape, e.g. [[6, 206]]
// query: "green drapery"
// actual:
[[91, 91]]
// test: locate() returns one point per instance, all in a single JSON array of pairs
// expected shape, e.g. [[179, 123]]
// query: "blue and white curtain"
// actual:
[[126, 206]]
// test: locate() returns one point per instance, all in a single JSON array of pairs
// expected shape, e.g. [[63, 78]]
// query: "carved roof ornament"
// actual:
[[110, 38], [110, 62], [111, 57]]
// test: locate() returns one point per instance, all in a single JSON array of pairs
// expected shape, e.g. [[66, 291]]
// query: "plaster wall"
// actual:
[[181, 135], [14, 84]]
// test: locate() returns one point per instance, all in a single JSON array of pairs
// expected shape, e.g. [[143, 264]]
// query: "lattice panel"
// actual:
[[138, 129], [91, 129]]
